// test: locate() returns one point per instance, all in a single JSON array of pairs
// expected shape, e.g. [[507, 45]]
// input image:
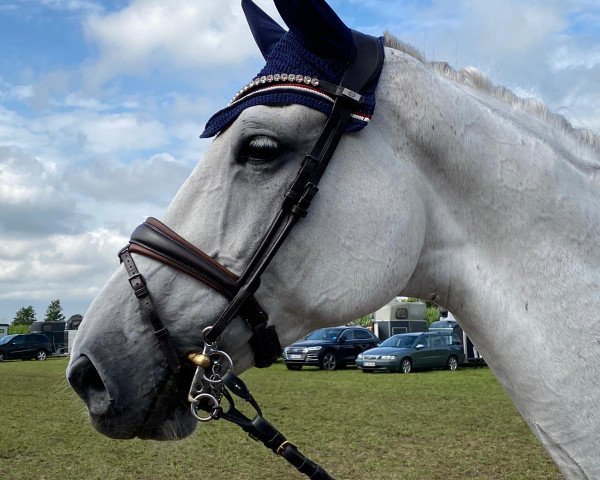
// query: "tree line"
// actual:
[[25, 316]]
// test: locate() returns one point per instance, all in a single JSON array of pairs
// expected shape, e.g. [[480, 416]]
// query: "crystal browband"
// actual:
[[285, 80], [289, 81], [290, 78]]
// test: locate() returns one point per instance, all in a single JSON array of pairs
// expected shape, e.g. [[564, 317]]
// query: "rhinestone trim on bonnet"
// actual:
[[288, 81], [277, 77]]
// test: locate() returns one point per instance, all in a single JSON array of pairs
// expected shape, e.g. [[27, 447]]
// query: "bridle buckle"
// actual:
[[138, 283]]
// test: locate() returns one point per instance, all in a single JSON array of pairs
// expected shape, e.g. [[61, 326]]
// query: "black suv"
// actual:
[[25, 346], [329, 348]]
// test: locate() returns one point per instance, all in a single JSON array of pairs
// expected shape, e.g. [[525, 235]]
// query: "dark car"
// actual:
[[25, 346], [443, 325], [329, 348], [408, 351]]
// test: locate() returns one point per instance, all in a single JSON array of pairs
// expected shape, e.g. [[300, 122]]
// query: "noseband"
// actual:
[[154, 240]]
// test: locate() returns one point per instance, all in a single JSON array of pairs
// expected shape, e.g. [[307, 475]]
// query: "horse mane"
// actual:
[[477, 80]]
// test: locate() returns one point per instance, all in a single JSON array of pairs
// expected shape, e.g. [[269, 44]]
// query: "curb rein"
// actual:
[[214, 379]]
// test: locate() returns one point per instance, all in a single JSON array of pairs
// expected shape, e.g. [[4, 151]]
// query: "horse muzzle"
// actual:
[[158, 411]]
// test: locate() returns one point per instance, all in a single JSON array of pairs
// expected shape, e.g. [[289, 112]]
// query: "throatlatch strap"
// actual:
[[148, 311]]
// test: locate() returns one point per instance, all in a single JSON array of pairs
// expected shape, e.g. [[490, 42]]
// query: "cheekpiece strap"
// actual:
[[148, 311]]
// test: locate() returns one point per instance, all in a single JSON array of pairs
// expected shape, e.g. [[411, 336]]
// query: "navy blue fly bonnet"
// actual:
[[316, 50]]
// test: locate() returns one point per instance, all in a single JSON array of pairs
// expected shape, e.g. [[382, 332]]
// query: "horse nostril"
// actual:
[[86, 381]]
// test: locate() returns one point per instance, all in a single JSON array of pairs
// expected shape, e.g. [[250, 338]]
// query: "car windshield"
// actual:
[[399, 341], [325, 334], [443, 324], [6, 339]]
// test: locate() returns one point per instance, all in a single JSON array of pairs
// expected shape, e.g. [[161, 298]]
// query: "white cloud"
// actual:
[[155, 179], [91, 132], [574, 57], [179, 33], [117, 132], [512, 26], [32, 197], [58, 265]]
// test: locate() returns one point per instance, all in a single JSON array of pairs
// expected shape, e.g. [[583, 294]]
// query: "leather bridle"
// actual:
[[155, 240]]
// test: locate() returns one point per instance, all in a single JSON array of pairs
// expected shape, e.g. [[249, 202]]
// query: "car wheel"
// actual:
[[406, 365], [329, 361], [452, 363], [294, 367], [41, 355]]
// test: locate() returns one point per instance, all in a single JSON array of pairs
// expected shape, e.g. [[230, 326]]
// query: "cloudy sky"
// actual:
[[102, 102]]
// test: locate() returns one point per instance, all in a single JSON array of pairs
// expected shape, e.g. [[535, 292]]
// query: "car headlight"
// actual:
[[388, 357], [360, 355], [312, 349]]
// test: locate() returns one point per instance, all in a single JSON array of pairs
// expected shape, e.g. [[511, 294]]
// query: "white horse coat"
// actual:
[[451, 195]]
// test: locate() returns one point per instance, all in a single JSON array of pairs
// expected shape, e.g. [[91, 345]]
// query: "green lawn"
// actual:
[[427, 426]]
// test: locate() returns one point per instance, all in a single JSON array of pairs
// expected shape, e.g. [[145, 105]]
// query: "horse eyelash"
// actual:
[[263, 142]]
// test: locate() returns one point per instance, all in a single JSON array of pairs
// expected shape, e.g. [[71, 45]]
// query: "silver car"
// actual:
[[408, 351]]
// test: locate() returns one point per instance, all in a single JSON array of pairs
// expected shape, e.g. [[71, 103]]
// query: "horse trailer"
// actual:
[[55, 331], [3, 329], [71, 328], [399, 317]]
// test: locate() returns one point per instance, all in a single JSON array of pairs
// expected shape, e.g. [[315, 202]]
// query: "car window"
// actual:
[[6, 339], [348, 335], [438, 341], [324, 334], [19, 340], [454, 340], [405, 341], [362, 335], [424, 341]]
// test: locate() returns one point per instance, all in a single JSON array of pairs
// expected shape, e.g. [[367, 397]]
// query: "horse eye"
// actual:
[[260, 150]]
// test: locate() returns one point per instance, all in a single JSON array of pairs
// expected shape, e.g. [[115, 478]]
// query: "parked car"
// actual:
[[408, 351], [329, 348], [25, 346], [443, 324]]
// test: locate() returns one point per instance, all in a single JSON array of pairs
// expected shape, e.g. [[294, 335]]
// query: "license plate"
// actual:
[[369, 364], [295, 357]]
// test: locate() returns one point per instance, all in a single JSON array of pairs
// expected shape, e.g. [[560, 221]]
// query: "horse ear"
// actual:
[[320, 29], [265, 30]]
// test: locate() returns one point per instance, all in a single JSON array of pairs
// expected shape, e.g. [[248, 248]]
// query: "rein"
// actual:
[[213, 380]]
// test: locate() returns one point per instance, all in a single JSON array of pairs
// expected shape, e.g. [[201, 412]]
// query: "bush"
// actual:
[[18, 328], [432, 314]]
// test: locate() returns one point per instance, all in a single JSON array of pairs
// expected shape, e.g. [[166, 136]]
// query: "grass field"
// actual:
[[427, 426]]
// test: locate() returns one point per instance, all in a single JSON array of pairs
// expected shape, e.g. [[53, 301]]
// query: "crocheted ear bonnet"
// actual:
[[317, 48]]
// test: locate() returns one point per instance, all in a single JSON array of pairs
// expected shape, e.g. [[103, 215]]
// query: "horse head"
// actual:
[[336, 265]]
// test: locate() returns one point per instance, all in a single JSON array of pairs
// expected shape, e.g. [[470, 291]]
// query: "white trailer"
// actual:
[[399, 316]]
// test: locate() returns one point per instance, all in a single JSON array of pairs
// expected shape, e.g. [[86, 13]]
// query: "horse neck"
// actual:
[[511, 247], [494, 187]]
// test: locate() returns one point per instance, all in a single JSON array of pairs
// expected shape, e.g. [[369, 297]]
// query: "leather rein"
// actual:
[[214, 379]]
